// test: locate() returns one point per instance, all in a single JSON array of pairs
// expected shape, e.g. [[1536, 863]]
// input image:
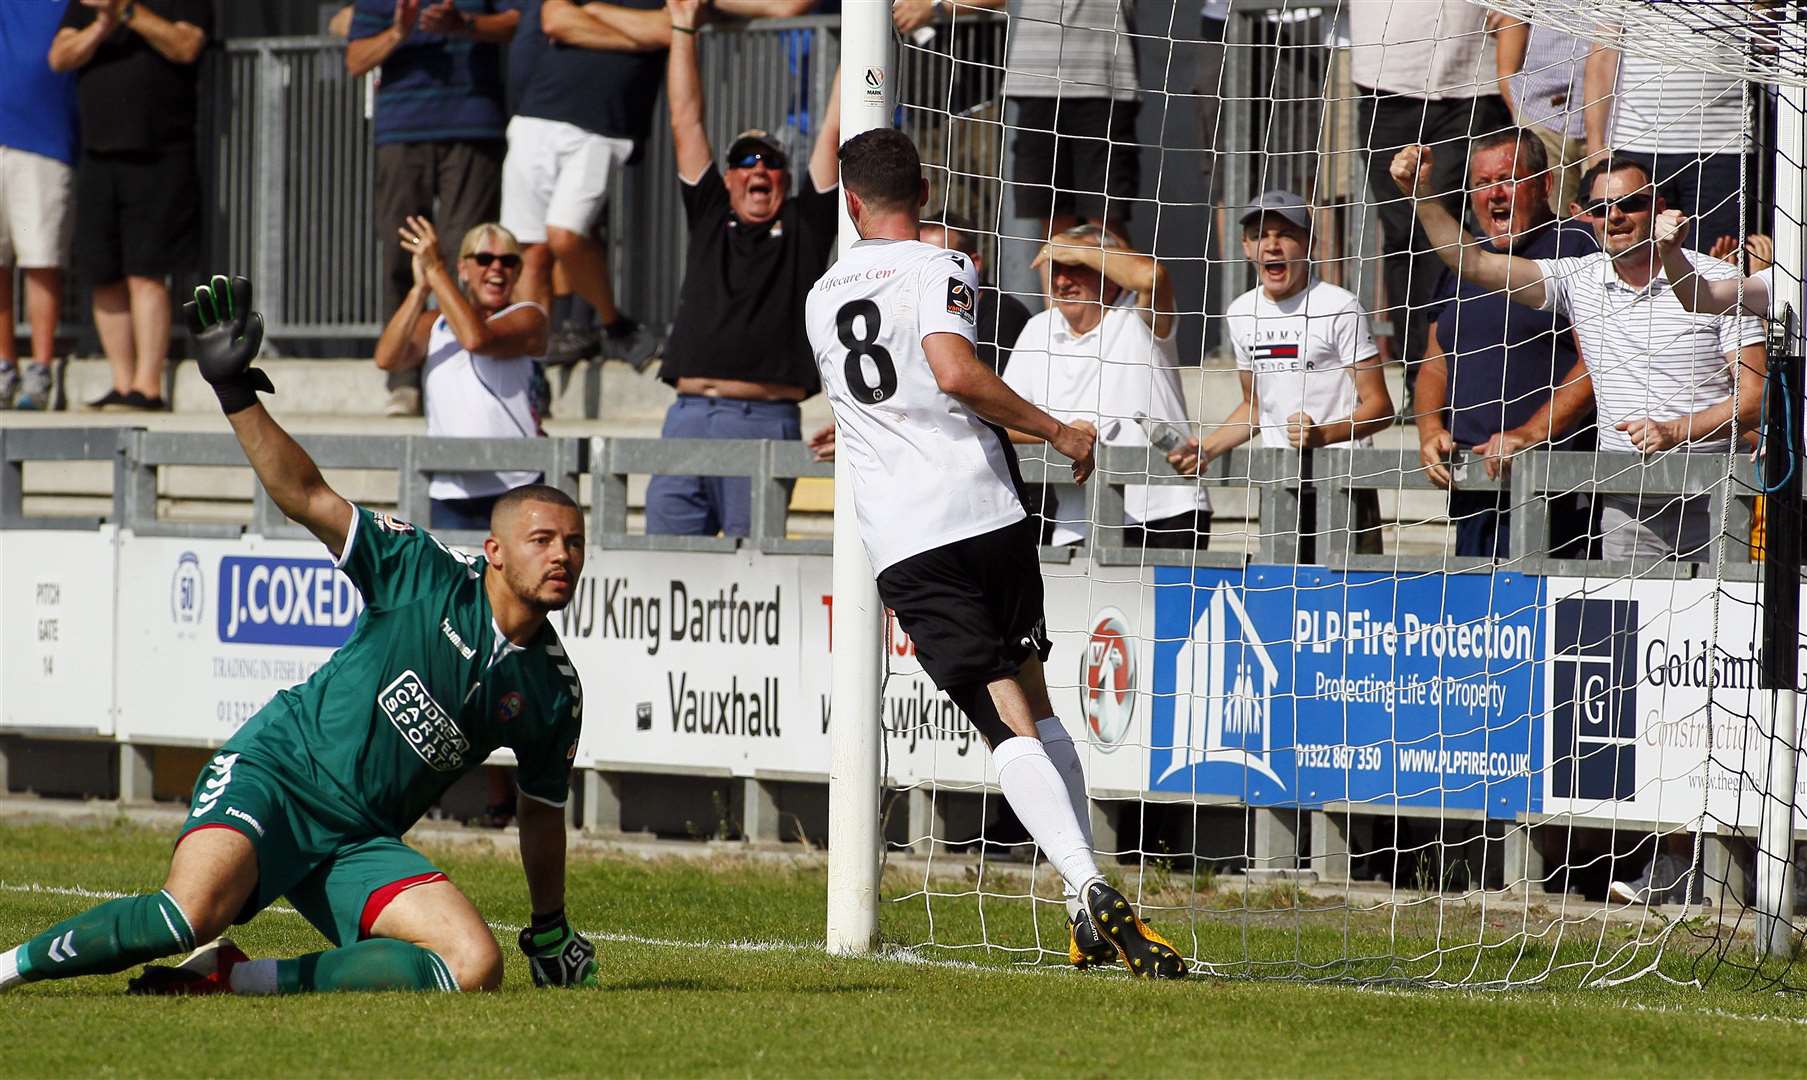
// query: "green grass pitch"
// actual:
[[715, 968]]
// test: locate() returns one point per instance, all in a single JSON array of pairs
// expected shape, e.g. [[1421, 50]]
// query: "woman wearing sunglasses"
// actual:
[[478, 348]]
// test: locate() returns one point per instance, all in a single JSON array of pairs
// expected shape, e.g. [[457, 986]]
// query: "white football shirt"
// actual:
[[926, 470], [1302, 352]]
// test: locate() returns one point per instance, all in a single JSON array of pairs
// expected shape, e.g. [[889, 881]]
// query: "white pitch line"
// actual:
[[894, 955]]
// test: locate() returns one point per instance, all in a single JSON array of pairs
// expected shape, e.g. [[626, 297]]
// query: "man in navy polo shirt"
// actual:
[[439, 129], [1490, 364], [37, 155]]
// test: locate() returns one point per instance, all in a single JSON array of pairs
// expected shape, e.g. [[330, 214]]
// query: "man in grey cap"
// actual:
[[1310, 370], [738, 354]]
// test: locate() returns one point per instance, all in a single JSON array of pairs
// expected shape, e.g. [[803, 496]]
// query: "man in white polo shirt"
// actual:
[[1310, 369], [1087, 357], [1662, 377]]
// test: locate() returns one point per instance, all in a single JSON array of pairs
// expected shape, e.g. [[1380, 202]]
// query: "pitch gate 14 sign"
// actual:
[[1286, 686]]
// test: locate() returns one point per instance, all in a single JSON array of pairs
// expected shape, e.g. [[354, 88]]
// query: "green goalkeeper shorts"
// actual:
[[337, 880]]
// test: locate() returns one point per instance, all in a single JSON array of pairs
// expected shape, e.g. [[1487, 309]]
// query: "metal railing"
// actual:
[[601, 468], [289, 169]]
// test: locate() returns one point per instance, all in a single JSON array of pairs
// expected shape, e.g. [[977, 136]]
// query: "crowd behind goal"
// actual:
[[1035, 118]]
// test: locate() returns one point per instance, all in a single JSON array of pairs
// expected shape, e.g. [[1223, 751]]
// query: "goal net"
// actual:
[[1362, 709]]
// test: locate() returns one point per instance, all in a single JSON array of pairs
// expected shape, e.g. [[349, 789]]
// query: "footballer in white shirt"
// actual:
[[920, 421]]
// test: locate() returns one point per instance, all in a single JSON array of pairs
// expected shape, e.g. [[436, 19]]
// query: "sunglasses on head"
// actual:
[[1628, 204], [484, 258], [757, 157]]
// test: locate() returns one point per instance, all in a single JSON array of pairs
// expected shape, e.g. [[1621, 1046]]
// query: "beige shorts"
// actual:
[[556, 174], [36, 209]]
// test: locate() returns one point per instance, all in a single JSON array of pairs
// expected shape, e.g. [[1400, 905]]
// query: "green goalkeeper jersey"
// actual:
[[425, 689]]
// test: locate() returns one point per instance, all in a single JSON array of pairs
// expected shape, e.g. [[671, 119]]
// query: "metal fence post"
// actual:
[[411, 486], [140, 483], [268, 247], [608, 493], [12, 485]]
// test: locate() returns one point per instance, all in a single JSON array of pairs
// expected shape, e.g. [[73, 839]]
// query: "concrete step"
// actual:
[[610, 392]]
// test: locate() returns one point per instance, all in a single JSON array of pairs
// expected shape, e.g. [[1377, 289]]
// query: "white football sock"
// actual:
[[1036, 791], [9, 969], [1065, 757], [253, 977]]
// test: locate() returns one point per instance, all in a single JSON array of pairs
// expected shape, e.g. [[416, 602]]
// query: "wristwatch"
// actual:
[[125, 13]]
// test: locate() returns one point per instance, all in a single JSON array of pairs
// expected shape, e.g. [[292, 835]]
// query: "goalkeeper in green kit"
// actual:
[[452, 658]]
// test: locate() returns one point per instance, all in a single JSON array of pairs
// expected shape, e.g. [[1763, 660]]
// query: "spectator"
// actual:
[[1759, 293], [585, 110], [37, 150], [478, 349], [1490, 364], [1001, 316], [739, 355], [1071, 71], [1309, 367], [1661, 378], [1685, 126], [137, 188], [1541, 77], [1087, 357], [438, 127], [1426, 75]]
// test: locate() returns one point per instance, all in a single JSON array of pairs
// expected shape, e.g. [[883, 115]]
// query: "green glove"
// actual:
[[557, 954], [227, 335]]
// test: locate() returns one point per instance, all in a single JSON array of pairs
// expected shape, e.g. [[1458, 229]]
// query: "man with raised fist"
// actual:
[[1660, 378], [452, 658]]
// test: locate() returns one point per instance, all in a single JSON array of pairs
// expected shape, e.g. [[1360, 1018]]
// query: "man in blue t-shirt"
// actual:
[[1490, 365], [37, 155], [439, 129]]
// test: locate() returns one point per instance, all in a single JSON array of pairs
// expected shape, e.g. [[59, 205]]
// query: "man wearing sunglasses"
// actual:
[[1660, 377], [738, 355]]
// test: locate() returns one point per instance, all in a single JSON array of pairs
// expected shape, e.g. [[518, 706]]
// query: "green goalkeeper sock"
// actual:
[[116, 935], [376, 964]]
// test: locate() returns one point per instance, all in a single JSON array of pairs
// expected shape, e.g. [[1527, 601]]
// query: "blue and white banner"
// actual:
[[1282, 686]]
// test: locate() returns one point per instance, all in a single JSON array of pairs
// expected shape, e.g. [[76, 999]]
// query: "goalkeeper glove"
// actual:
[[557, 954], [227, 335]]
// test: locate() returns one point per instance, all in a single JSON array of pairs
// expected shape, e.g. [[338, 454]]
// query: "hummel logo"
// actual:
[[66, 945], [451, 635], [233, 811]]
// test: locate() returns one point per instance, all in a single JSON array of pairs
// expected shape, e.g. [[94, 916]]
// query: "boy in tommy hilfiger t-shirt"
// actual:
[[1311, 374]]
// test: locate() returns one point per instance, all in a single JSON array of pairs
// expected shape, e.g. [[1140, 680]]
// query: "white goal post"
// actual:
[[857, 618]]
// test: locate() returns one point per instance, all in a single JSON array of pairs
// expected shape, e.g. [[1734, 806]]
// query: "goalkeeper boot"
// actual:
[[1145, 953], [207, 970], [1086, 947]]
